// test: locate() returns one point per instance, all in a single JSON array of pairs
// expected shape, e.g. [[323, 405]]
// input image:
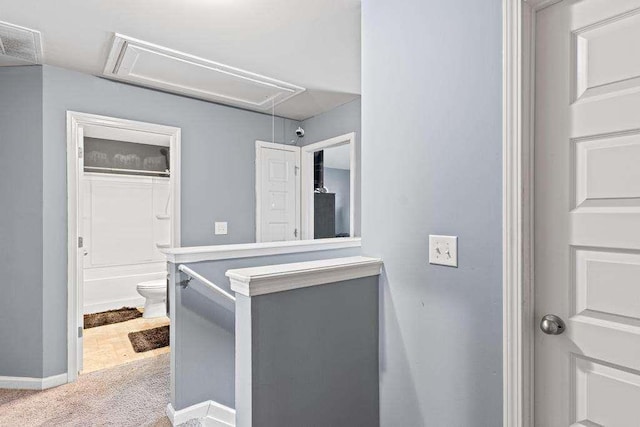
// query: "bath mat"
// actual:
[[112, 316], [149, 339]]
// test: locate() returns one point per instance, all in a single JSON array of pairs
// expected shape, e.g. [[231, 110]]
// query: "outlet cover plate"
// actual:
[[220, 228], [443, 250]]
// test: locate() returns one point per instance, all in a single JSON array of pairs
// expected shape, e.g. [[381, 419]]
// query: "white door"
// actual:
[[277, 192], [587, 213]]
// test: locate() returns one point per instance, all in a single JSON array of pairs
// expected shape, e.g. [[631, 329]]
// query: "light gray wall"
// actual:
[[339, 121], [432, 165], [338, 181], [218, 150], [309, 356], [203, 332], [21, 254]]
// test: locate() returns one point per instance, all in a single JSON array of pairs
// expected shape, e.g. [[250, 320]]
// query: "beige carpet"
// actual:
[[133, 394]]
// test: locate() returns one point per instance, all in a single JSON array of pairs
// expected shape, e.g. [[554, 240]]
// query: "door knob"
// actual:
[[552, 324]]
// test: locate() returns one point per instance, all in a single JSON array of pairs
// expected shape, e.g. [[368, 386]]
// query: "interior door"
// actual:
[[277, 192], [587, 214]]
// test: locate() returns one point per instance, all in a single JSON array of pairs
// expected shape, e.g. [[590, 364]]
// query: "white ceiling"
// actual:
[[310, 43]]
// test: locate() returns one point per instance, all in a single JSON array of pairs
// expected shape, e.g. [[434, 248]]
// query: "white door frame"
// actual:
[[260, 145], [519, 17], [307, 181], [76, 123]]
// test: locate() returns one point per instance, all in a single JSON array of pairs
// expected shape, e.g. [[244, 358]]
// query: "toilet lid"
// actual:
[[152, 284]]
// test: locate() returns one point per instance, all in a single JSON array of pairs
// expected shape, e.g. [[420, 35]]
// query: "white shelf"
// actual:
[[246, 250], [127, 171]]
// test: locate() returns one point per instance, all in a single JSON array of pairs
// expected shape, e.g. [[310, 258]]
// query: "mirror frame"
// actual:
[[306, 183]]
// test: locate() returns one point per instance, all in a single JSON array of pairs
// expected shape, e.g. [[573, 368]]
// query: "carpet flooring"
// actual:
[[133, 394]]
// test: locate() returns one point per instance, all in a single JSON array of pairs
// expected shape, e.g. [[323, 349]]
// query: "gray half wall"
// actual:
[[308, 357], [203, 333], [432, 164]]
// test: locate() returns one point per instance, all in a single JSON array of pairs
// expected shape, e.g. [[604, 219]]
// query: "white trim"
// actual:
[[514, 387], [285, 277], [29, 383], [213, 414], [260, 145], [538, 5], [277, 146], [76, 123], [518, 145], [248, 250], [307, 180]]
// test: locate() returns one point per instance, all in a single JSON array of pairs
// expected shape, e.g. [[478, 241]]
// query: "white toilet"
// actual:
[[155, 294]]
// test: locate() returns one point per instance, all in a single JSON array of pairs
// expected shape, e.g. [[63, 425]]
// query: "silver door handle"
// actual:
[[552, 324]]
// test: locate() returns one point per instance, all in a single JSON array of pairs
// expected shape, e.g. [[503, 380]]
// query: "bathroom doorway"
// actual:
[[124, 209]]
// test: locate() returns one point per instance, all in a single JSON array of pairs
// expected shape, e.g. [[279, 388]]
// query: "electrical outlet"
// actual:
[[443, 250], [220, 228]]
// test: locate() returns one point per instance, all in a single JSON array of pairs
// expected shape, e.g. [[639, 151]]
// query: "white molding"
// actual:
[[30, 383], [268, 279], [537, 5], [260, 145], [277, 146], [518, 146], [76, 124], [213, 414], [248, 250], [514, 386], [307, 180], [54, 381]]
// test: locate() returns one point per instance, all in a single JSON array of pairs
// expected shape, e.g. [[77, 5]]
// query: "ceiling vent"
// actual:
[[19, 45], [146, 64]]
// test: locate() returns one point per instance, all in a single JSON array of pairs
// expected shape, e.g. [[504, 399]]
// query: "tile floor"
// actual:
[[108, 346]]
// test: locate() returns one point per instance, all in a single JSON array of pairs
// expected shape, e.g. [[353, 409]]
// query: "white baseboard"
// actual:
[[113, 305], [29, 383], [212, 414]]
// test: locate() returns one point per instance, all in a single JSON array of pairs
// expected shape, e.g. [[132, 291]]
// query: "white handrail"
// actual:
[[189, 272]]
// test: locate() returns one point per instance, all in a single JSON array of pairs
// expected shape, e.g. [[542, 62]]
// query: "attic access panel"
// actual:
[[146, 64]]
